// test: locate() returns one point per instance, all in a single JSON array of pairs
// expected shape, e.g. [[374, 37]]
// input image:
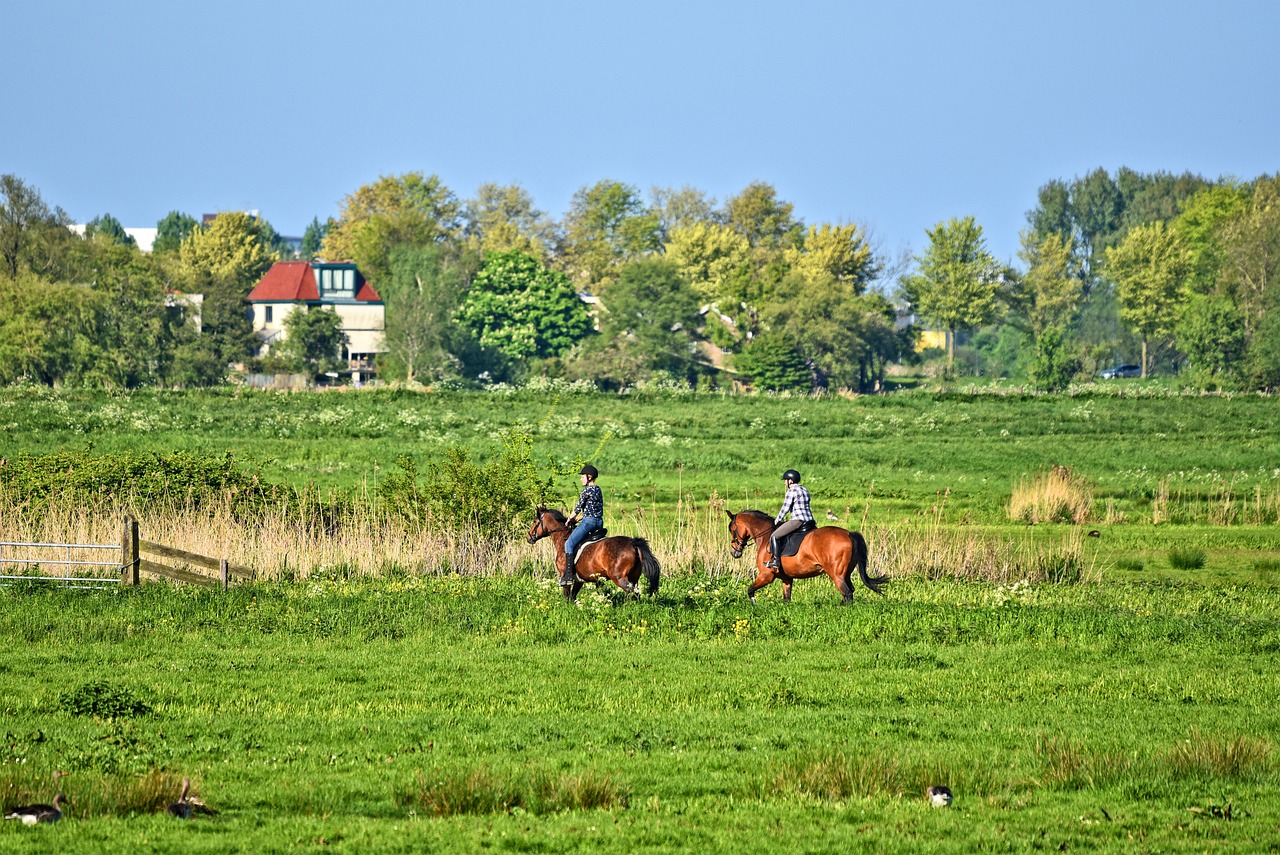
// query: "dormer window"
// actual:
[[336, 280]]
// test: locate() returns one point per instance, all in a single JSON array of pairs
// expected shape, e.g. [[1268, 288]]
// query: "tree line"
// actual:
[[673, 287]]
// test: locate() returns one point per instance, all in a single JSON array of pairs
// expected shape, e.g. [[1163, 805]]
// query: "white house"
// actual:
[[337, 285]]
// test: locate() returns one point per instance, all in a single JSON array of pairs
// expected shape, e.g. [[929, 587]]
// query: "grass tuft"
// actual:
[[1057, 496], [1186, 559], [482, 790], [1211, 756]]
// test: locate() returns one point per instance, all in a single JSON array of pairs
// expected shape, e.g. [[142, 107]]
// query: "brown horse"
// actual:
[[619, 559], [830, 549]]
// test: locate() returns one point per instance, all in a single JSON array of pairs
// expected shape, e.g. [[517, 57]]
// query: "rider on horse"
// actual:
[[591, 507], [795, 503]]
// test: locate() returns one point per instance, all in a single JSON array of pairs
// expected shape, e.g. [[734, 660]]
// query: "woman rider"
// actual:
[[795, 503]]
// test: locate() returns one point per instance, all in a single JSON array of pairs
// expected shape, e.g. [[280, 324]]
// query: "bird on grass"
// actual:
[[33, 814], [182, 808], [832, 516], [939, 795]]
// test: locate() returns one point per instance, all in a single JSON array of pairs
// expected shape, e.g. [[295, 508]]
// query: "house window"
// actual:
[[336, 281], [266, 314]]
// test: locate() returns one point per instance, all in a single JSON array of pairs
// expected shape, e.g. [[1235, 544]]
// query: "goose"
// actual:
[[182, 808], [939, 795], [832, 516], [32, 814]]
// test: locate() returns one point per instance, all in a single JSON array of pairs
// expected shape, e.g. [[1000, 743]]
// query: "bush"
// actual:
[[465, 497]]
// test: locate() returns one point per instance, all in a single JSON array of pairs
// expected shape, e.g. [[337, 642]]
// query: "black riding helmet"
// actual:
[[791, 475], [589, 470]]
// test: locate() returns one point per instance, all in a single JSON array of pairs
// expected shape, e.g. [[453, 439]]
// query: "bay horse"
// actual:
[[829, 549], [621, 560]]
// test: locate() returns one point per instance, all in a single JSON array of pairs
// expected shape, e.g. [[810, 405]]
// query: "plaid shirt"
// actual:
[[591, 502], [796, 503]]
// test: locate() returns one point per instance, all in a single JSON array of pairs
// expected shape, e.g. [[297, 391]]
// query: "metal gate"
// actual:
[[71, 558]]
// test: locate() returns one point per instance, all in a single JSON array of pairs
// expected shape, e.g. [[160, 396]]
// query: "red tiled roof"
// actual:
[[294, 281], [286, 282]]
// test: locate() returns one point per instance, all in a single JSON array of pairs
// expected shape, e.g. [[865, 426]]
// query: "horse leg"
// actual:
[[765, 577], [844, 585], [786, 590]]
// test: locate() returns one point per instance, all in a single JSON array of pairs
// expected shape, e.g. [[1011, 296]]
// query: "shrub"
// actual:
[[100, 699]]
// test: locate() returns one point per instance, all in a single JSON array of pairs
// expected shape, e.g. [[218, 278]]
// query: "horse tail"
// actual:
[[649, 565], [860, 552]]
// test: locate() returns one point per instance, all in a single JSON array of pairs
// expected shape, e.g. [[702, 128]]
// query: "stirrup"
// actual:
[[773, 564]]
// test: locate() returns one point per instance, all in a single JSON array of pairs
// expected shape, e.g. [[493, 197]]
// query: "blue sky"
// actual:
[[895, 115]]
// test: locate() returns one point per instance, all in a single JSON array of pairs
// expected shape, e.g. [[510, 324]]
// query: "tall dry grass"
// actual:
[[288, 543], [1057, 496]]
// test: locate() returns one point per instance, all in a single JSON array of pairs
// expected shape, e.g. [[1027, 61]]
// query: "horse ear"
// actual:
[[729, 512]]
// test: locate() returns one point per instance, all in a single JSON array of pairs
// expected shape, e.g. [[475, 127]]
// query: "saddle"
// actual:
[[595, 536], [790, 544]]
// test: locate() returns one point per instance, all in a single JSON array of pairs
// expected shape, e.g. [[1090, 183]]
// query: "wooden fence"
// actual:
[[136, 558]]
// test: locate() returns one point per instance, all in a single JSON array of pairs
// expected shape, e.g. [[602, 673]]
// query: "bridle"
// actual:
[[540, 529], [739, 542]]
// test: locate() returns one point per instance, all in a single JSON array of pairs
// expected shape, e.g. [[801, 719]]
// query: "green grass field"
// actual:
[[411, 711], [473, 714]]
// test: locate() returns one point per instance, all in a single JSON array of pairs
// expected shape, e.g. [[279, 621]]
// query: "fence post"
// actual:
[[129, 558], [222, 565]]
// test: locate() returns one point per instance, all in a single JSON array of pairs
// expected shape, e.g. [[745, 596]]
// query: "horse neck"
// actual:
[[558, 535]]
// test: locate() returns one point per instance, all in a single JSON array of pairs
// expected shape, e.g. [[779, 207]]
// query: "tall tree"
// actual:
[[502, 218], [232, 250], [1211, 334], [172, 231], [649, 326], [763, 219], [1201, 223], [422, 295], [313, 238], [957, 281], [838, 253], [32, 236], [108, 228], [681, 208], [1150, 268], [1046, 298], [406, 210], [710, 256], [607, 226], [517, 306], [1251, 253]]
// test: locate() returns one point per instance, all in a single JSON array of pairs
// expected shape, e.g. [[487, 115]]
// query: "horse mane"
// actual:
[[556, 515]]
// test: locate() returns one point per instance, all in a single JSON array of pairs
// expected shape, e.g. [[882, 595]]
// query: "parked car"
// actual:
[[1121, 371]]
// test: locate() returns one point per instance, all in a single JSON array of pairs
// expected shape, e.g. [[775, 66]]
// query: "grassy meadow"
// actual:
[[381, 688]]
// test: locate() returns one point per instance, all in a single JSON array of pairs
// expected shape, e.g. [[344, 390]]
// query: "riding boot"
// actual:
[[773, 555], [569, 576]]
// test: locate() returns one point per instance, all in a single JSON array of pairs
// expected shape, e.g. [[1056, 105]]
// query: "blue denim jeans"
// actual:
[[579, 534]]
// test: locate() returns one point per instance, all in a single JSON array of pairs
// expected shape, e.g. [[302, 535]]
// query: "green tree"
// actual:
[[1211, 334], [313, 340], [836, 253], [232, 251], [1201, 223], [406, 210], [763, 219], [1150, 268], [517, 306], [607, 226], [957, 281], [681, 208], [313, 238], [1251, 253], [649, 326], [422, 296], [772, 363], [108, 228], [711, 256], [172, 231], [502, 218], [32, 236]]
